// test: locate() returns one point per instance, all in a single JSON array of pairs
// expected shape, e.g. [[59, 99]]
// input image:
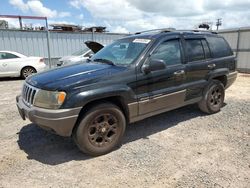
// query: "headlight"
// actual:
[[49, 99]]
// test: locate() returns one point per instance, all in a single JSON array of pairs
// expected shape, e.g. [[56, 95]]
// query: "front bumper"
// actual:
[[231, 77], [60, 121]]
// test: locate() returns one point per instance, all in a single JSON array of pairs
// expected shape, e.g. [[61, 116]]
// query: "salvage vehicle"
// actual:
[[129, 80], [14, 64], [85, 53]]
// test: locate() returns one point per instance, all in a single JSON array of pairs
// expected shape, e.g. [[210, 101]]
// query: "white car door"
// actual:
[[9, 64]]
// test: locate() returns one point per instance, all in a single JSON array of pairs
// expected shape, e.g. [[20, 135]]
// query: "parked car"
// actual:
[[14, 64], [86, 52], [129, 80]]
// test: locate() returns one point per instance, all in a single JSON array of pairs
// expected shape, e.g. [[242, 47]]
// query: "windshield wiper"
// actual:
[[104, 61]]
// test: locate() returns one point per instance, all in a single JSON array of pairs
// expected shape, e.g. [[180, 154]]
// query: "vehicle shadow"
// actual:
[[51, 149], [10, 79]]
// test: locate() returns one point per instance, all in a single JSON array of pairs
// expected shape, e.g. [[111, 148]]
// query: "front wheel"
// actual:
[[213, 97], [100, 130]]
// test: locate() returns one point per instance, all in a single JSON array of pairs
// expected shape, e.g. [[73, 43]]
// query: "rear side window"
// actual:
[[219, 47], [194, 49]]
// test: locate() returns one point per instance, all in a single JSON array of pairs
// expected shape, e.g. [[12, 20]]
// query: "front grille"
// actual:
[[28, 94]]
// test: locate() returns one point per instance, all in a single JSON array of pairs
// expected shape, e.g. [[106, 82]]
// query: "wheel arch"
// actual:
[[220, 75], [222, 79], [26, 66], [116, 100]]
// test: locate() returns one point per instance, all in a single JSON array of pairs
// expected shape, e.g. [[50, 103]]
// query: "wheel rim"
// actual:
[[27, 72], [216, 97], [103, 130]]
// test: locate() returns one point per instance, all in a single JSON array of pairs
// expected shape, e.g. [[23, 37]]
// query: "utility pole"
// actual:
[[20, 22], [48, 41], [218, 23], [93, 31]]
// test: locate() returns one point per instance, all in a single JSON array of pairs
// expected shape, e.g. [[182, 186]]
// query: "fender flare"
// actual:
[[218, 72]]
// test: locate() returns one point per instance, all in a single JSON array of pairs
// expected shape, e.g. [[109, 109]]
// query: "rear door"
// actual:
[[221, 52], [164, 87], [198, 65]]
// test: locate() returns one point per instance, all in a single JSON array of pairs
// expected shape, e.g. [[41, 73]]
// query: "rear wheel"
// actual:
[[27, 71], [213, 98], [100, 130]]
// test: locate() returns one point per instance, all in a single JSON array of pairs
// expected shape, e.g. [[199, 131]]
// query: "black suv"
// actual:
[[129, 80]]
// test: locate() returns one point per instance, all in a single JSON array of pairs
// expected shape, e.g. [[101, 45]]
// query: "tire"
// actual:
[[27, 71], [100, 129], [213, 97]]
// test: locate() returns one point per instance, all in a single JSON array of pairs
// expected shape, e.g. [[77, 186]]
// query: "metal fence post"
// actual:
[[238, 43], [93, 31], [48, 42]]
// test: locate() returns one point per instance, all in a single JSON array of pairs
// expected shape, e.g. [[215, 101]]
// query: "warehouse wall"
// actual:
[[34, 43], [239, 40]]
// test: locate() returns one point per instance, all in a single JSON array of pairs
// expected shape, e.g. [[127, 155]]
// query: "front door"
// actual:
[[9, 64], [165, 87]]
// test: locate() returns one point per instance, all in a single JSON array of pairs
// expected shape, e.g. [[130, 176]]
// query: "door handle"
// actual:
[[178, 73], [211, 66], [4, 64]]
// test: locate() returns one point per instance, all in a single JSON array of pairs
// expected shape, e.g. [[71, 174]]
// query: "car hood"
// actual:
[[94, 46], [76, 75], [66, 58]]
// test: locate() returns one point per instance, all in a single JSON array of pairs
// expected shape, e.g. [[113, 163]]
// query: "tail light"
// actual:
[[41, 60]]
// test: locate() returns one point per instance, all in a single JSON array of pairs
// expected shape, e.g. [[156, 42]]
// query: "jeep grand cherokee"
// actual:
[[129, 80]]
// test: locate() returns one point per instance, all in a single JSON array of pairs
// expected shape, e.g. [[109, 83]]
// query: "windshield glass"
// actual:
[[81, 52], [122, 52]]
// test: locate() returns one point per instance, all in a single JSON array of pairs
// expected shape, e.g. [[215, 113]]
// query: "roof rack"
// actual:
[[201, 31], [205, 31], [162, 30]]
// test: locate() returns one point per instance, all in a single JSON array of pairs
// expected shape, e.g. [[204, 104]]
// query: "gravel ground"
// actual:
[[181, 148]]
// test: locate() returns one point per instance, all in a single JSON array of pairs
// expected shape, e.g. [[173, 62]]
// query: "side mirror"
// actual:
[[153, 65]]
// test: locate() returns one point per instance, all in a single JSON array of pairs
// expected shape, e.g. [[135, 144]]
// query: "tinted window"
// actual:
[[194, 50], [168, 51], [4, 55], [89, 54], [219, 47]]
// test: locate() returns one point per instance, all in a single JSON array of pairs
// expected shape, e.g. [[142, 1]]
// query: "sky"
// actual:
[[132, 15]]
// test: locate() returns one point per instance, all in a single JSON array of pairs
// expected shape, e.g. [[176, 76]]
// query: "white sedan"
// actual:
[[13, 64]]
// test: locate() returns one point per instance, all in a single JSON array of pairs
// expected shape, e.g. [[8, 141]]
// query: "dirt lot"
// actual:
[[181, 148]]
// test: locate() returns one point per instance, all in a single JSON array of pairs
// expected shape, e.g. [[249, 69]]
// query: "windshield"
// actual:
[[81, 52], [122, 52]]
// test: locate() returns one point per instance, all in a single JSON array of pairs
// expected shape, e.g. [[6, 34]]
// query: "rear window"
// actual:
[[219, 47], [4, 55]]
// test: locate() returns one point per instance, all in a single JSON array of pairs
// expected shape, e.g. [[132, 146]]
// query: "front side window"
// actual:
[[194, 50], [122, 52], [80, 52], [89, 54], [169, 52], [4, 55]]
